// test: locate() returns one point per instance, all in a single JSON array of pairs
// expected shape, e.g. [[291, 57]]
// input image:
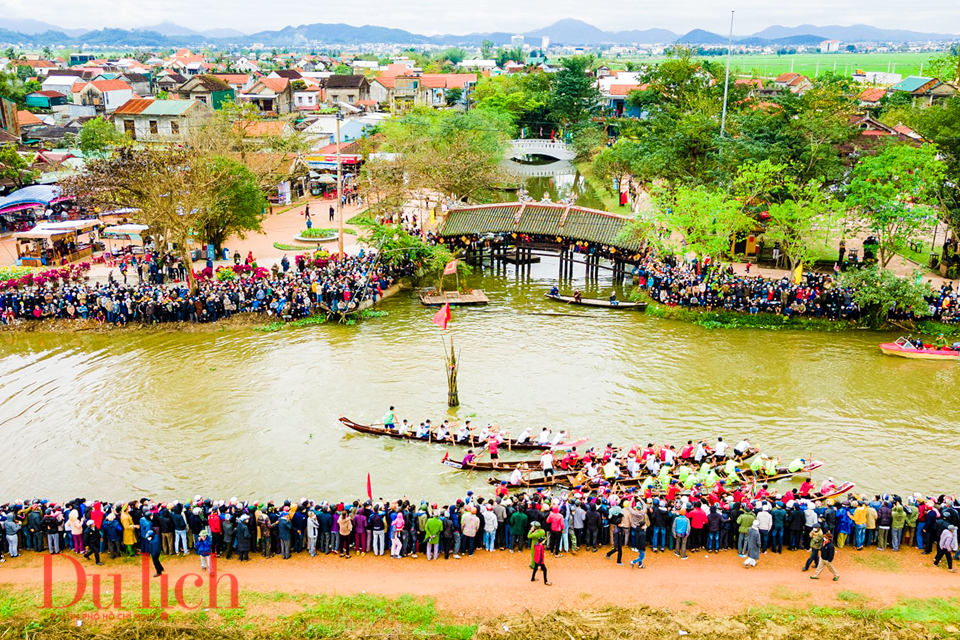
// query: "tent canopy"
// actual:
[[52, 229], [124, 230], [32, 196]]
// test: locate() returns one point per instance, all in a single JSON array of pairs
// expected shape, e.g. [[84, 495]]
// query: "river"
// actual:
[[244, 413]]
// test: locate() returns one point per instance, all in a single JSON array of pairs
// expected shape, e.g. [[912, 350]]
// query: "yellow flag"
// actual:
[[798, 274]]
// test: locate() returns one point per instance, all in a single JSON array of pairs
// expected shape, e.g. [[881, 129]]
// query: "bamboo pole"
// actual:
[[453, 395]]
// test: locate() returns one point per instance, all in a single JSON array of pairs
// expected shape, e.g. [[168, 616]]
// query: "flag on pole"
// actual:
[[369, 488], [442, 317], [451, 268], [798, 274]]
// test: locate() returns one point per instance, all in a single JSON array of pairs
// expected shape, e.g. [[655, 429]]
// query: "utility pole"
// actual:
[[339, 185], [726, 81]]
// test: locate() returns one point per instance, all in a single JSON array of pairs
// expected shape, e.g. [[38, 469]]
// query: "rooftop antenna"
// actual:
[[726, 81]]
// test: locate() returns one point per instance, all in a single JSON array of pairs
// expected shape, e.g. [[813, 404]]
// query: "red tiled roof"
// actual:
[[48, 94], [26, 118], [624, 89], [904, 129], [232, 78], [787, 77], [277, 85], [388, 81], [133, 107], [111, 85], [753, 82], [872, 95]]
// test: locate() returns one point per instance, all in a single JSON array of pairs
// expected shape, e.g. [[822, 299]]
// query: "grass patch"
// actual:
[[783, 592], [852, 597], [689, 603], [292, 247], [735, 320], [318, 233], [932, 328], [278, 325], [363, 216], [373, 313], [878, 562]]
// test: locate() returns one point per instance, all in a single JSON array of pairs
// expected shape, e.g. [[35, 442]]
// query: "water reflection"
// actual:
[[557, 179]]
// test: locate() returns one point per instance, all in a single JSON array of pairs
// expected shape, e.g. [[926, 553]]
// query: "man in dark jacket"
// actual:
[[591, 525], [243, 538], [113, 531], [91, 541], [826, 558]]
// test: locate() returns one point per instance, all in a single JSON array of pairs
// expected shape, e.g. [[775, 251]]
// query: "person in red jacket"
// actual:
[[698, 523], [216, 530]]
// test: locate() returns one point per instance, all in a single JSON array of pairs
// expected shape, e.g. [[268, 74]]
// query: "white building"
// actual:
[[830, 46], [545, 43], [516, 42]]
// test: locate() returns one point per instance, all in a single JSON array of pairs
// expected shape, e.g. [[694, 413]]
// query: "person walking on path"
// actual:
[[946, 547], [753, 545], [640, 540], [827, 552], [537, 552], [816, 543]]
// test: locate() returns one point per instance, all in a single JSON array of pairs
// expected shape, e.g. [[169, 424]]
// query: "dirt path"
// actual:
[[499, 583]]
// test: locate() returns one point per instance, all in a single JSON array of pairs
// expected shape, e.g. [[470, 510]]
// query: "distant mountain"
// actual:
[[578, 32], [343, 34], [699, 36], [32, 27], [562, 32], [167, 28], [854, 33]]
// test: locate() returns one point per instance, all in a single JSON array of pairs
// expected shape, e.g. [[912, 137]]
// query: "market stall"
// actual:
[[20, 210], [56, 243], [124, 238]]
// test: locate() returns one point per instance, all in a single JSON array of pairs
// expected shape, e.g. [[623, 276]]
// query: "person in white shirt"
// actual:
[[742, 447], [443, 431], [653, 465], [524, 436], [720, 451], [546, 463], [544, 437], [633, 466], [404, 428], [464, 432], [423, 430], [700, 452], [484, 434], [668, 455], [560, 437]]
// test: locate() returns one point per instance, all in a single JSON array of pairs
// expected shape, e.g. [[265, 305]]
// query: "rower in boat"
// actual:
[[465, 432], [554, 290], [520, 476], [492, 443], [389, 419], [544, 437], [423, 431], [577, 296], [443, 432], [742, 447], [560, 437], [720, 451], [546, 463], [613, 300], [827, 487], [806, 487], [403, 428], [469, 459], [524, 436]]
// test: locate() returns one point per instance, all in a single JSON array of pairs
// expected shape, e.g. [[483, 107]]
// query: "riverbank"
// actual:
[[773, 322], [490, 596]]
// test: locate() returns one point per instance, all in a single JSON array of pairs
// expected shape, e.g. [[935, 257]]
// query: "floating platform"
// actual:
[[513, 257], [440, 298]]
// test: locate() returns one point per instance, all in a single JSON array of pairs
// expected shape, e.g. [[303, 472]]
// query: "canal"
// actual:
[[250, 414]]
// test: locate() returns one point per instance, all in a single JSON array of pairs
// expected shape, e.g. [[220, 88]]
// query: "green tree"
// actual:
[[15, 167], [700, 219], [575, 97], [505, 55], [894, 193], [343, 70], [523, 97], [98, 136], [879, 291], [486, 49], [454, 54], [238, 205], [24, 72], [940, 124], [453, 95]]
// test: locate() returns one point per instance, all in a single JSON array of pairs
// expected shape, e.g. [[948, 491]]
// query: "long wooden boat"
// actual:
[[508, 445], [595, 302], [534, 483], [841, 489], [904, 349], [436, 298], [782, 472]]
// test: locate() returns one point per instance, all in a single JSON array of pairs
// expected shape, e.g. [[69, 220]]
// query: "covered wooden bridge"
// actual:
[[524, 228]]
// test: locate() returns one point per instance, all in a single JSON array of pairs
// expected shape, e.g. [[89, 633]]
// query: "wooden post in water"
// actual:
[[453, 394]]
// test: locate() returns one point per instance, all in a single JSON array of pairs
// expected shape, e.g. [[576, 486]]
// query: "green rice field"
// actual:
[[812, 64]]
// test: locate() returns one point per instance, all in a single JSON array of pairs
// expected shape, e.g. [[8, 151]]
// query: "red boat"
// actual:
[[905, 349]]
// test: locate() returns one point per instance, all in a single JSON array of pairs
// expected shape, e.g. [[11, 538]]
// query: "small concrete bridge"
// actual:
[[541, 147]]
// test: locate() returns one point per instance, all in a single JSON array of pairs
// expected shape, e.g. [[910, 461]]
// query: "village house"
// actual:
[[103, 95], [62, 80], [207, 89], [170, 82], [346, 89], [45, 99], [270, 95], [140, 82], [793, 82], [924, 91], [239, 82], [870, 98], [152, 120], [40, 67]]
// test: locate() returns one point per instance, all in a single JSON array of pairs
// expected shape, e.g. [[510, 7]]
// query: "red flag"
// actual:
[[442, 317], [451, 268], [369, 488]]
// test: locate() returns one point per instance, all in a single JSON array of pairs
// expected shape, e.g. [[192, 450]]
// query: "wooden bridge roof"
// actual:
[[571, 223]]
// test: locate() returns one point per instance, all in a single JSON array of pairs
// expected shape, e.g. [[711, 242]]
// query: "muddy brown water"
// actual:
[[250, 414]]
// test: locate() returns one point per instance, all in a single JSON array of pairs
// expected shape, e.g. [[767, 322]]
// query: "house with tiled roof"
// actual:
[[270, 95], [346, 89], [170, 82], [40, 67], [45, 99], [103, 95], [616, 97], [207, 89], [870, 98], [924, 91], [62, 80], [239, 82], [152, 120]]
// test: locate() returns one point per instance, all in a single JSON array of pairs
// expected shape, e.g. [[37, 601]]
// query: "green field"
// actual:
[[810, 64]]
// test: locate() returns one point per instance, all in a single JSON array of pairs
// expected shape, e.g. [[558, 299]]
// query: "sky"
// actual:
[[431, 17]]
